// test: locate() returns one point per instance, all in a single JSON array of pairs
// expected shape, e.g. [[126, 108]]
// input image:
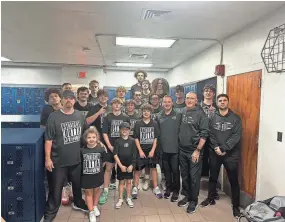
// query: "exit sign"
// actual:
[[82, 75]]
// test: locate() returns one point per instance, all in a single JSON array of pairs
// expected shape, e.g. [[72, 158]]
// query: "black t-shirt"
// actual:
[[47, 110], [209, 110], [126, 151], [179, 108], [156, 112], [134, 88], [146, 133], [65, 131], [82, 109], [92, 100], [138, 109], [93, 159], [98, 123], [111, 125], [133, 119]]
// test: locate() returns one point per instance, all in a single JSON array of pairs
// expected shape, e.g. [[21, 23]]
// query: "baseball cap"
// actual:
[[124, 125], [179, 88], [68, 94], [209, 86]]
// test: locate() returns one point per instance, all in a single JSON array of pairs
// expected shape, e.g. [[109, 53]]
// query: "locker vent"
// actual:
[[19, 183], [19, 157], [20, 207]]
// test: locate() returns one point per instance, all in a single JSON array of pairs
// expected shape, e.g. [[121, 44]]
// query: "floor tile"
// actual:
[[152, 218], [166, 218], [137, 219], [147, 208]]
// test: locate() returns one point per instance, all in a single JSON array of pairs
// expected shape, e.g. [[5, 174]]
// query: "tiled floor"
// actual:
[[150, 209]]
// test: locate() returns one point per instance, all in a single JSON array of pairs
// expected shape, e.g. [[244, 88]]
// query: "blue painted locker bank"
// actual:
[[22, 174]]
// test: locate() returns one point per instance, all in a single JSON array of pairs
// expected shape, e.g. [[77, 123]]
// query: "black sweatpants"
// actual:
[[231, 166], [191, 175], [170, 162], [56, 180]]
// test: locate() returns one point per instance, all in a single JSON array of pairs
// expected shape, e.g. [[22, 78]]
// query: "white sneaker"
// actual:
[[130, 202], [96, 211], [146, 185], [92, 217], [135, 193], [119, 203], [157, 192]]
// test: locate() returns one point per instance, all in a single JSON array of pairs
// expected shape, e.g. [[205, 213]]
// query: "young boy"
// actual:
[[111, 132], [125, 156], [145, 134]]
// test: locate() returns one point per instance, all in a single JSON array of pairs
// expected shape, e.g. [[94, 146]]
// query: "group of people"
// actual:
[[91, 144]]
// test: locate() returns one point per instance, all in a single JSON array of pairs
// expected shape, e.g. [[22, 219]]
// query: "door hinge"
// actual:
[[259, 83]]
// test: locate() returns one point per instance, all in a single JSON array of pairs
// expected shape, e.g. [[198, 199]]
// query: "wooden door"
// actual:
[[244, 93]]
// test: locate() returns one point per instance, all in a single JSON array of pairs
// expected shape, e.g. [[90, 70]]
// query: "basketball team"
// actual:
[[91, 143]]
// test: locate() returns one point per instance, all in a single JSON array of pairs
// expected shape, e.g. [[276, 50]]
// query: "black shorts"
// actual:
[[124, 175], [146, 162], [110, 157]]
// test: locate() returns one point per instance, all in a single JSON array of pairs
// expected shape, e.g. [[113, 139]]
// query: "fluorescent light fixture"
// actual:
[[128, 64], [144, 42], [3, 59]]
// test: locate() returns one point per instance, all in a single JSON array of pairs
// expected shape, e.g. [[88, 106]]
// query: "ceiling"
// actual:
[[55, 32]]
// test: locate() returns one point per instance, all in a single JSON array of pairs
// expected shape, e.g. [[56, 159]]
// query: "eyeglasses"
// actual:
[[138, 95]]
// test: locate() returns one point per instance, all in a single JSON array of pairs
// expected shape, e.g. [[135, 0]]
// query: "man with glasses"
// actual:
[[194, 130], [94, 87], [225, 136], [154, 102]]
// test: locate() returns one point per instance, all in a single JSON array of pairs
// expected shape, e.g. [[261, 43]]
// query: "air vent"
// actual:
[[138, 56], [149, 14]]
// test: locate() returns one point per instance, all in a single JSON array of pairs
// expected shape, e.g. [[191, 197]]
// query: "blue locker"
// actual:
[[128, 95], [22, 174], [172, 93]]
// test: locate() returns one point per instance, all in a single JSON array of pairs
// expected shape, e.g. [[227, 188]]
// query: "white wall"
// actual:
[[110, 78], [32, 75], [58, 76], [242, 54]]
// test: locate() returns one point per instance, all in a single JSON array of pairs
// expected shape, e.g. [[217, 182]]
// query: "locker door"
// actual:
[[19, 208], [15, 183], [18, 101], [17, 158]]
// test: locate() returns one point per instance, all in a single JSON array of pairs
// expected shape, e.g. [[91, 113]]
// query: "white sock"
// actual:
[[106, 190]]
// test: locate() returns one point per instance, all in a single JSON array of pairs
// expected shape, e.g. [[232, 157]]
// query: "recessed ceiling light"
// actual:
[[144, 42], [128, 64], [3, 59]]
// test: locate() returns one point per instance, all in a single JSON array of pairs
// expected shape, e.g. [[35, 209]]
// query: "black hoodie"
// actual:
[[194, 125], [225, 131]]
